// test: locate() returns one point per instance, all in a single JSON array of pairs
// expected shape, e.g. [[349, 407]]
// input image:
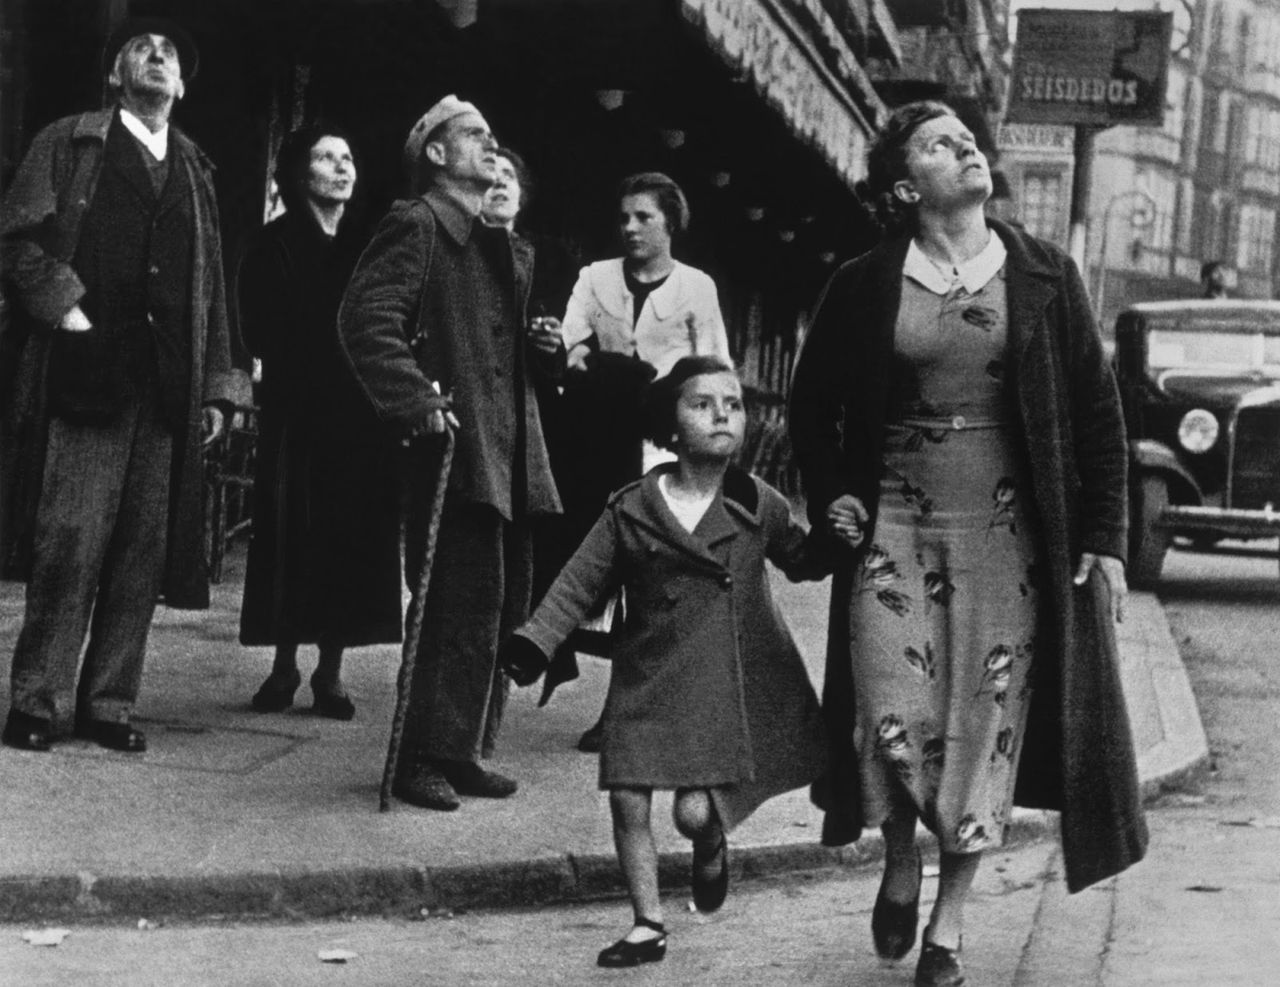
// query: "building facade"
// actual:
[[1203, 186]]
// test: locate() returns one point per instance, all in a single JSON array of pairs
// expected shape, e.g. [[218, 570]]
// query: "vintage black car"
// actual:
[[1200, 383]]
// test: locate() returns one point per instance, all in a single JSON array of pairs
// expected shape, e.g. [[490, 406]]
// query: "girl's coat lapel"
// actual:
[[735, 507]]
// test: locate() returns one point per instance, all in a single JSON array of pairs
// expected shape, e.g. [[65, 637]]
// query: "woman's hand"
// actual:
[[846, 518], [1112, 570]]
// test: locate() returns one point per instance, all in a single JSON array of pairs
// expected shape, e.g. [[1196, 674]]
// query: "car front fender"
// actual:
[[1149, 456]]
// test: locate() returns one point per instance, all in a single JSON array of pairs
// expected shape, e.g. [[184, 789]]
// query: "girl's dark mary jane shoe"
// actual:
[[939, 966], [623, 953]]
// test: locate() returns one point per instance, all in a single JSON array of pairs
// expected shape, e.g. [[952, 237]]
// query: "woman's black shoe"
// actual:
[[276, 693], [709, 894], [939, 966], [893, 925], [330, 702], [624, 953]]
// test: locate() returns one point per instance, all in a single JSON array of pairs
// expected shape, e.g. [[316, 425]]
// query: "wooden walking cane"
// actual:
[[413, 632]]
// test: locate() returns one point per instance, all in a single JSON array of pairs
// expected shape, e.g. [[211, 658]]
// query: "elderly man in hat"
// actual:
[[437, 305], [120, 373]]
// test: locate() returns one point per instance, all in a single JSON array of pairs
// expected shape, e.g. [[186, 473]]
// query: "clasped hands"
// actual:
[[846, 519]]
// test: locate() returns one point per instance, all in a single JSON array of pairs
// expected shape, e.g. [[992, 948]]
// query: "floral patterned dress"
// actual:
[[943, 611]]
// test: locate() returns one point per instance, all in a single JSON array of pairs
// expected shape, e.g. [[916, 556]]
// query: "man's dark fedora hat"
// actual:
[[188, 55]]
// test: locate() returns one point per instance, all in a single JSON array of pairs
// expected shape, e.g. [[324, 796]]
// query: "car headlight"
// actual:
[[1198, 430]]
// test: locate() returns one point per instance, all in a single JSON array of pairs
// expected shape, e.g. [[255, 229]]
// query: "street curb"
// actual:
[[420, 891], [415, 891]]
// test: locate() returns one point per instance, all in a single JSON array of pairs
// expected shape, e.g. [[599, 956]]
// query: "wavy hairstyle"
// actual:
[[294, 157], [887, 165], [666, 193]]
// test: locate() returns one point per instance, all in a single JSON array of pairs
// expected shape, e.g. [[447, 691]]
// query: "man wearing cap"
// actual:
[[438, 301], [113, 268]]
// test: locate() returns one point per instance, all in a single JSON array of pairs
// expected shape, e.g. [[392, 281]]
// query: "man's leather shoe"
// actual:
[[117, 736], [468, 778], [26, 732], [426, 788]]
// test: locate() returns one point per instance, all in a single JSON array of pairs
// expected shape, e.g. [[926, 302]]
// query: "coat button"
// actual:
[[155, 269], [726, 581], [958, 422]]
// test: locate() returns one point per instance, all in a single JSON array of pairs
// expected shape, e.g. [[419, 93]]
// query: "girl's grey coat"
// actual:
[[708, 688], [1079, 755]]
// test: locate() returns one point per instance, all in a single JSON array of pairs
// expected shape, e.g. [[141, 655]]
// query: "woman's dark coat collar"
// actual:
[[1032, 274]]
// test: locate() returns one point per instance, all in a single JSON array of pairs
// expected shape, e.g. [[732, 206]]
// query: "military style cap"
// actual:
[[442, 112]]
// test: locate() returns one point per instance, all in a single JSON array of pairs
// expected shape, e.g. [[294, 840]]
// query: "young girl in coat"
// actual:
[[708, 694]]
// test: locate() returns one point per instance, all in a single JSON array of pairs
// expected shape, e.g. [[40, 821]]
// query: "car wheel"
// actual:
[[1146, 558]]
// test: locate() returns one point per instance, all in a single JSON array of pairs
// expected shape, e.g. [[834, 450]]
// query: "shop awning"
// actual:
[[807, 74]]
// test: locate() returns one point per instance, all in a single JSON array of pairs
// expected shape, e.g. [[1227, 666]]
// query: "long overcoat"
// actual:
[[324, 556], [707, 687], [1078, 756], [40, 225]]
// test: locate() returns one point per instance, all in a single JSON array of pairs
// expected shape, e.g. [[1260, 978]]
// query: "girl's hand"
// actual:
[[846, 519], [1112, 570], [522, 660]]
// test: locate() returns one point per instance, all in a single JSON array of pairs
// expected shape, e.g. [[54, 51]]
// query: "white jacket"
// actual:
[[680, 318]]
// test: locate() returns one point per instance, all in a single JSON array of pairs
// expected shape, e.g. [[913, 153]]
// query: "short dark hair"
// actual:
[[887, 164], [294, 157], [1208, 267], [668, 195], [658, 402]]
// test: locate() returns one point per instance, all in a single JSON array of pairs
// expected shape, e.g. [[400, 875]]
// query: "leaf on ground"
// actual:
[[45, 937], [336, 955]]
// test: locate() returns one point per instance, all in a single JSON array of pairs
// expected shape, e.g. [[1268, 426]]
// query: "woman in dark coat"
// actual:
[[324, 564], [953, 410]]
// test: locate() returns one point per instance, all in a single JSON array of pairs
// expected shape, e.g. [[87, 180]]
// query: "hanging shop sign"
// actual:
[[1095, 68], [756, 45]]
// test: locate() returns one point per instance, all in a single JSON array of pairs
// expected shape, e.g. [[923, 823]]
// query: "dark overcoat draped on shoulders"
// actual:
[[324, 558], [1079, 756]]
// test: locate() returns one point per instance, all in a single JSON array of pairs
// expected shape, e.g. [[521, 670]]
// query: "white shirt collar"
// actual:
[[973, 274], [157, 143]]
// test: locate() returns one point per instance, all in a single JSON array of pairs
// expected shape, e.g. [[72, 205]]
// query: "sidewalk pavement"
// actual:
[[234, 813]]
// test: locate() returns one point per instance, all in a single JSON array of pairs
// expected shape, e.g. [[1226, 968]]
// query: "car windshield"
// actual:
[[1212, 351]]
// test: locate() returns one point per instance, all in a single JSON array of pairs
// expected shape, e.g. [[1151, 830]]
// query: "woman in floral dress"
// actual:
[[952, 395]]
